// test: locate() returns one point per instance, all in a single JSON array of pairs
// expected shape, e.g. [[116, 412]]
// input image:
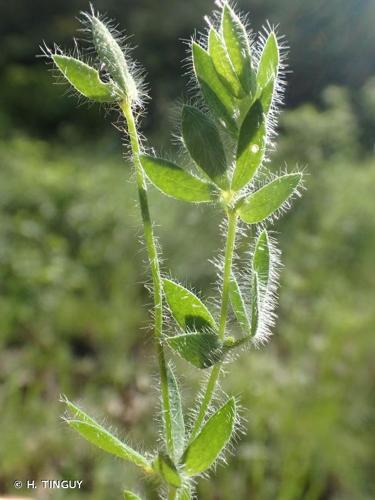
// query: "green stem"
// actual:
[[215, 372], [154, 265]]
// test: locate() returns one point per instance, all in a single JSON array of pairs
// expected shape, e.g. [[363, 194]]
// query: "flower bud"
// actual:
[[111, 54]]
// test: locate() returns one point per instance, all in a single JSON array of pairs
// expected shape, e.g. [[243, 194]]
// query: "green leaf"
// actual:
[[166, 468], [223, 65], [187, 309], [129, 495], [216, 95], [207, 446], [200, 349], [265, 96], [174, 181], [251, 146], [238, 305], [261, 258], [254, 305], [268, 70], [100, 437], [77, 412], [111, 54], [238, 48], [203, 142], [85, 79], [177, 418], [184, 493], [269, 61], [270, 198]]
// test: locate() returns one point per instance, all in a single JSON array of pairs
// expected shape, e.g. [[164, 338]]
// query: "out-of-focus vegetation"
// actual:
[[73, 308]]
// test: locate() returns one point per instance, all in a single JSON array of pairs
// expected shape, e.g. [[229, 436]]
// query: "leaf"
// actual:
[[111, 54], [223, 65], [187, 309], [265, 97], [100, 437], [174, 181], [238, 304], [238, 48], [203, 142], [184, 493], [254, 305], [200, 349], [216, 95], [177, 418], [270, 198], [77, 412], [268, 70], [269, 61], [85, 79], [166, 468], [129, 495], [207, 446], [251, 146], [261, 258]]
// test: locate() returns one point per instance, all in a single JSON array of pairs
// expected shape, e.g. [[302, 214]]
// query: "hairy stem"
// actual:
[[154, 265], [215, 372]]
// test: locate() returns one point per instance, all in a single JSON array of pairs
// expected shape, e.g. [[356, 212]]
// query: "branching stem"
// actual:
[[154, 265], [215, 372]]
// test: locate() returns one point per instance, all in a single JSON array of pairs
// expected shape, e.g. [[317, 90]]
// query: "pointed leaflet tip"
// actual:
[[268, 67], [238, 48], [100, 437], [85, 79], [129, 495]]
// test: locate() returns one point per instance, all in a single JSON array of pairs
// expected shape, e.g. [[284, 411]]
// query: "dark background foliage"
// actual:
[[73, 309]]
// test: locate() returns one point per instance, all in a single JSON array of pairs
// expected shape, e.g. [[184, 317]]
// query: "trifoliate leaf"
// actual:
[[200, 349], [187, 309], [251, 146], [85, 79], [270, 198], [208, 444], [203, 142], [175, 181]]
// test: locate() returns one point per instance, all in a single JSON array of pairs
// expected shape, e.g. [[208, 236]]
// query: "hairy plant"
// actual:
[[227, 132]]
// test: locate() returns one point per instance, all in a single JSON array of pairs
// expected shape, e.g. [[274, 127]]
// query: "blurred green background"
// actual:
[[74, 313]]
